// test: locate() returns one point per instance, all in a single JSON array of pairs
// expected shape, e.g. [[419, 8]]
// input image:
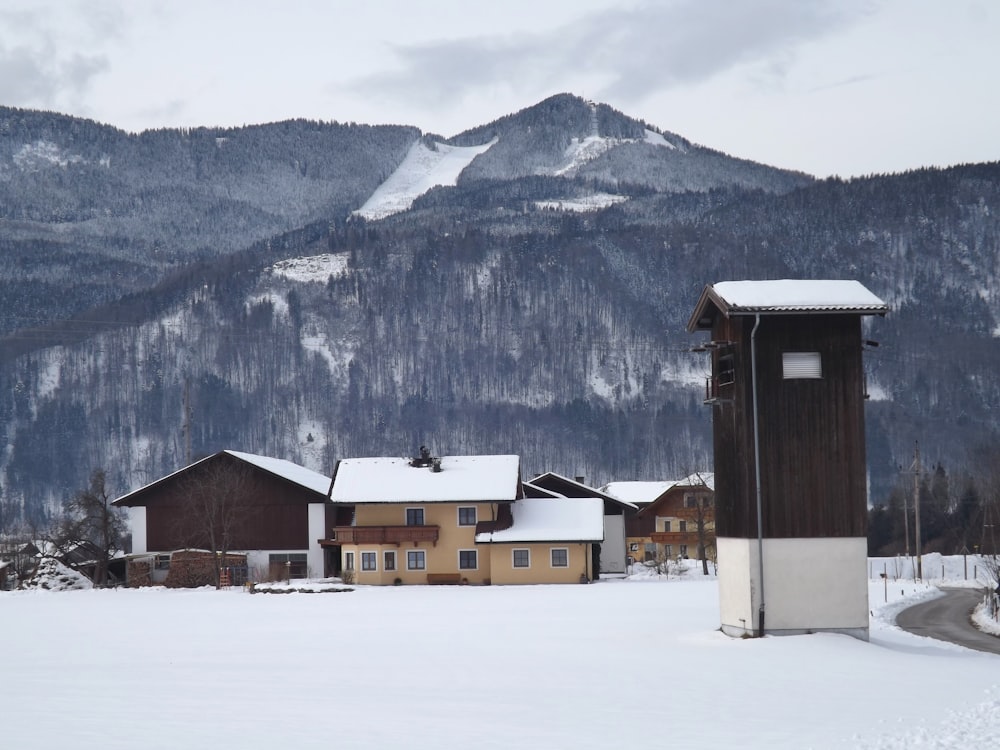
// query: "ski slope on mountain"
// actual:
[[422, 169]]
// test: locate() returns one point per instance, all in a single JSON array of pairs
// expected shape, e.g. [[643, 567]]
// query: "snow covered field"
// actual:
[[636, 663]]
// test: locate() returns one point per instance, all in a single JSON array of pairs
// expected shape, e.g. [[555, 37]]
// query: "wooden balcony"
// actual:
[[677, 537], [385, 534], [691, 514]]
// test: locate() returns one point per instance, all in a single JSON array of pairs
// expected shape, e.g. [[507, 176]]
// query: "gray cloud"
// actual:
[[36, 72], [652, 47]]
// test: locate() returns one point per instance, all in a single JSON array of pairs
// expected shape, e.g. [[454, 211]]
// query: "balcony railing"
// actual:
[[678, 537], [385, 534]]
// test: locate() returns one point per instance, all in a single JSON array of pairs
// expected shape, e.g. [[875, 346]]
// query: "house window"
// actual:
[[683, 525], [369, 561], [522, 558], [560, 557], [668, 551], [416, 559], [389, 559], [468, 559], [666, 525], [414, 516], [162, 562], [633, 547], [467, 516], [690, 501], [348, 561], [292, 565], [801, 365], [649, 551], [684, 551]]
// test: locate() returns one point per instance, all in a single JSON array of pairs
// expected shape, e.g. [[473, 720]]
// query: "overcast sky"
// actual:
[[847, 87]]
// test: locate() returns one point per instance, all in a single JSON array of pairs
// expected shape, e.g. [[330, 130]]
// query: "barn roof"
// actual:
[[783, 296], [396, 480], [558, 519], [567, 487], [300, 475]]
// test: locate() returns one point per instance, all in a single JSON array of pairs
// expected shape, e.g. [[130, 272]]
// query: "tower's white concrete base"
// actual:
[[810, 585]]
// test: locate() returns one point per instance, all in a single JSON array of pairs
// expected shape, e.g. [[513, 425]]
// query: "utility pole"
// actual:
[[916, 507], [906, 518], [187, 421]]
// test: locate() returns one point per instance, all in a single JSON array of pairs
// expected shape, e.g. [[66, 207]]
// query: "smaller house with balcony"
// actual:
[[457, 519], [676, 519]]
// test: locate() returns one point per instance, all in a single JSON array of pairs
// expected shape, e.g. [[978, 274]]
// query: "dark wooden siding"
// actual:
[[274, 512], [813, 476]]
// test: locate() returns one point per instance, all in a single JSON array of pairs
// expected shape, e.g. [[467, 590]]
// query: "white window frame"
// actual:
[[374, 558], [513, 558], [801, 366], [459, 560], [458, 515], [423, 516], [348, 561], [552, 561], [386, 554], [423, 558]]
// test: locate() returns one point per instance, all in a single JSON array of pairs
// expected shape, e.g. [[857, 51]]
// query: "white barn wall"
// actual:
[[613, 546], [137, 526], [317, 531]]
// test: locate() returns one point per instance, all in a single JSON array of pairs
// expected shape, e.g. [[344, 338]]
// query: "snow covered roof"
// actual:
[[637, 492], [572, 488], [558, 519], [308, 478], [300, 475], [644, 493], [784, 296], [394, 480], [533, 490]]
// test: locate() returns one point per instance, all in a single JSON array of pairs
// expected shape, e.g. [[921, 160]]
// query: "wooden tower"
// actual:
[[787, 390]]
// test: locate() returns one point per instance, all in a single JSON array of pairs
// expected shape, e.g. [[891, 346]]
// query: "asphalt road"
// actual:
[[947, 618]]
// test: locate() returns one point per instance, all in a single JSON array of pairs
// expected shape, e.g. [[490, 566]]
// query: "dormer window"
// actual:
[[801, 366]]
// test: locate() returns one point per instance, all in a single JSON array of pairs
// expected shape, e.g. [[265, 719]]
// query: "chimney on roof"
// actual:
[[579, 480], [424, 459]]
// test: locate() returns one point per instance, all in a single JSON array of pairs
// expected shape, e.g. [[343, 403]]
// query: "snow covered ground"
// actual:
[[633, 663]]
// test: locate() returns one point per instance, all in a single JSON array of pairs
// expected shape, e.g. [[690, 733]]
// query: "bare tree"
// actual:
[[91, 521], [703, 515], [215, 508]]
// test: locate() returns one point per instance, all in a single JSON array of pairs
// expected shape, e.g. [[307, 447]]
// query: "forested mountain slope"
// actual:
[[482, 320]]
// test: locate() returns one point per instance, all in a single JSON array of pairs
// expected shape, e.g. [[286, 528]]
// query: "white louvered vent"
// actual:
[[801, 365]]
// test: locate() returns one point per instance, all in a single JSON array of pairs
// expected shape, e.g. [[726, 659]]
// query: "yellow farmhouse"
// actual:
[[458, 519]]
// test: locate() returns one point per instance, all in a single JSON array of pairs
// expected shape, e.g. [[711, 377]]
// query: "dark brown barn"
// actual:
[[273, 510], [787, 391]]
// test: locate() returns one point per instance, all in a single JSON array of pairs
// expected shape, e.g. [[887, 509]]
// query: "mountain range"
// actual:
[[320, 290]]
